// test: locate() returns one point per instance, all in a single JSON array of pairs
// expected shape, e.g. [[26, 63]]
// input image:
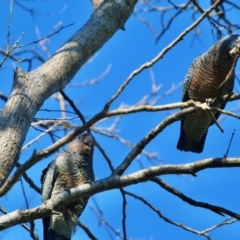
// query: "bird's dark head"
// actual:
[[229, 42], [83, 144]]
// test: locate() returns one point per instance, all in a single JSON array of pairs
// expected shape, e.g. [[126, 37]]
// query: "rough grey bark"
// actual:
[[31, 89]]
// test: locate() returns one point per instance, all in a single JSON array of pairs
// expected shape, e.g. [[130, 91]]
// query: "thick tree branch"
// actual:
[[158, 212], [113, 182], [32, 89], [191, 107]]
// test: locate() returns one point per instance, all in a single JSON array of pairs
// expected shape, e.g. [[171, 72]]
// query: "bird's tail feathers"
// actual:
[[52, 235], [186, 144]]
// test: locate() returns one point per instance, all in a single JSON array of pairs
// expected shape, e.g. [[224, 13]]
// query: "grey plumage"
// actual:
[[202, 82], [71, 168]]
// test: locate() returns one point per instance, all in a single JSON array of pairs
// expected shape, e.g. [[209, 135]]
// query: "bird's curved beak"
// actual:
[[88, 142], [87, 148]]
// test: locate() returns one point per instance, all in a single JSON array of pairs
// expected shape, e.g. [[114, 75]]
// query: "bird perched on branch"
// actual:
[[211, 75], [71, 168]]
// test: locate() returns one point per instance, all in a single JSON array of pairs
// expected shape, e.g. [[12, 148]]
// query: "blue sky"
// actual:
[[125, 52]]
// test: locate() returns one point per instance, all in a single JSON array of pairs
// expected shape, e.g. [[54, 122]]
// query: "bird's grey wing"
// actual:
[[224, 104], [188, 79], [184, 143], [48, 179]]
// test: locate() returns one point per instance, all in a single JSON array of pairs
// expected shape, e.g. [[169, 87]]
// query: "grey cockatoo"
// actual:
[[202, 82], [72, 167]]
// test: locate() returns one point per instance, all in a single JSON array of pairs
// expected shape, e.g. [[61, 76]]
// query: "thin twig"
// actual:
[[109, 228], [229, 220], [104, 114], [48, 36], [104, 155], [86, 230], [163, 217], [93, 80], [230, 142], [29, 181], [160, 55], [216, 122], [40, 135], [216, 209], [124, 214], [73, 106], [24, 194], [9, 25]]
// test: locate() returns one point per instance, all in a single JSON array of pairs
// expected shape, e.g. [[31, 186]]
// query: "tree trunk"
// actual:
[[30, 90]]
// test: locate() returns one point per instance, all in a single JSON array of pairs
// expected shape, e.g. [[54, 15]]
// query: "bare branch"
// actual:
[[10, 49], [229, 220], [35, 236], [73, 106], [40, 135], [114, 182], [225, 155], [215, 209], [160, 55], [104, 155], [103, 222], [29, 181], [173, 18], [101, 115], [86, 230], [46, 37], [77, 51], [165, 218], [124, 215], [94, 80]]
